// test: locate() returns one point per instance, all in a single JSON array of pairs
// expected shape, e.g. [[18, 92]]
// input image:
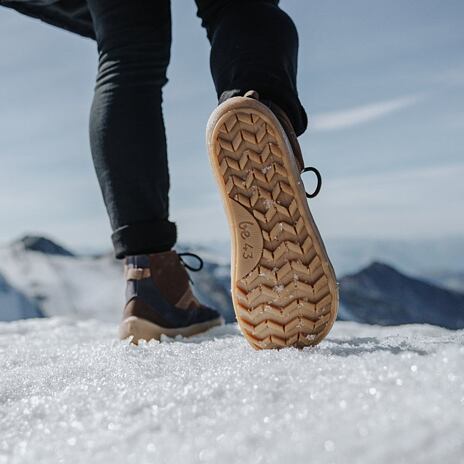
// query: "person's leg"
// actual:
[[127, 131], [254, 45], [283, 286], [128, 144]]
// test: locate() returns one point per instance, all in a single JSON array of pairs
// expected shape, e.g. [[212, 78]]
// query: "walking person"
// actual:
[[283, 285]]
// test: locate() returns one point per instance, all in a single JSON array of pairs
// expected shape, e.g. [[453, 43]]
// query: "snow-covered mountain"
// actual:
[[61, 283], [14, 304], [380, 294], [413, 257], [43, 244]]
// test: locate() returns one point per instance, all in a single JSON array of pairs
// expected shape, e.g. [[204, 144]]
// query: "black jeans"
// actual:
[[254, 45]]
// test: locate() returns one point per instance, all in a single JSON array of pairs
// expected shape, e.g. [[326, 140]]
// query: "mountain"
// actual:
[[423, 258], [42, 244], [453, 280], [212, 286], [14, 304], [59, 283], [379, 294], [63, 284], [413, 257]]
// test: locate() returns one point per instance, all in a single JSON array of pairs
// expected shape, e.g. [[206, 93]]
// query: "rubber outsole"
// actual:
[[284, 288], [141, 329]]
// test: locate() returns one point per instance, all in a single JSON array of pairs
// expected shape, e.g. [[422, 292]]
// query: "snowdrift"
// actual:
[[69, 392]]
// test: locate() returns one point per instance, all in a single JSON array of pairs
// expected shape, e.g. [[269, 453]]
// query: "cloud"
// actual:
[[335, 120]]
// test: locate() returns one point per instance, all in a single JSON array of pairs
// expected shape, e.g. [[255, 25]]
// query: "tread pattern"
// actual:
[[286, 299]]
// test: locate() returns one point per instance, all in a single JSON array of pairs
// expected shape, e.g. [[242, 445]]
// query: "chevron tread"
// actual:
[[290, 297]]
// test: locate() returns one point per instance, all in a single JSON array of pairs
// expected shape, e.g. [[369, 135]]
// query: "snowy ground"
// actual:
[[70, 393]]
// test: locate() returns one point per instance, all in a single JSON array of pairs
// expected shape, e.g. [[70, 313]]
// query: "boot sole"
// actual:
[[284, 289], [141, 329]]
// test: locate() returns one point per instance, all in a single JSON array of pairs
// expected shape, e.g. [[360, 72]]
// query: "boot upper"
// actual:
[[158, 290]]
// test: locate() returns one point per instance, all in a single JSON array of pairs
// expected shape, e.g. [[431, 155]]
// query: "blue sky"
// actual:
[[382, 80]]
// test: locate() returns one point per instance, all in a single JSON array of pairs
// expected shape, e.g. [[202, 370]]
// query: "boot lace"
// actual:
[[187, 265], [319, 181]]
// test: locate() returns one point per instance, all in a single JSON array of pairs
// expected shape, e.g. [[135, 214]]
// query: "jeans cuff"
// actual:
[[144, 238]]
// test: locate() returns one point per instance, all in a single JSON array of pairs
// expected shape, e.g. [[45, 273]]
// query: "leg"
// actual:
[[127, 131], [129, 151], [254, 45], [284, 289]]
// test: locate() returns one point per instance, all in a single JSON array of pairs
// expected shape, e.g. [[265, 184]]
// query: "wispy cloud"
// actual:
[[350, 117]]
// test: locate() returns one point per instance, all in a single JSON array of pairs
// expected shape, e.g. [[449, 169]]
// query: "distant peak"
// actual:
[[43, 245], [377, 270], [377, 266]]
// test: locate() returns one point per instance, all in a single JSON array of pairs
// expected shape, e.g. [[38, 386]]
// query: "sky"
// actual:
[[382, 82]]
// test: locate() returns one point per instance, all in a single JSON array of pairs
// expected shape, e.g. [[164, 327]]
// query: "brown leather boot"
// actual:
[[159, 299], [284, 288]]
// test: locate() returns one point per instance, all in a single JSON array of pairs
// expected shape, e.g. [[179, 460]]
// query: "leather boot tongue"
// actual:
[[171, 278]]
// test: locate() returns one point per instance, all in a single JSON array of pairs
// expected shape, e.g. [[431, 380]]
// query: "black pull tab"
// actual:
[[319, 181]]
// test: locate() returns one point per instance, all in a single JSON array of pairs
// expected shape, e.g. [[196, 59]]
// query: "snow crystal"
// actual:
[[71, 393], [268, 203], [279, 288], [266, 169]]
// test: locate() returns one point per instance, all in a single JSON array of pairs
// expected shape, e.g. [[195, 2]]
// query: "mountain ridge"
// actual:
[[88, 286], [42, 244], [399, 298]]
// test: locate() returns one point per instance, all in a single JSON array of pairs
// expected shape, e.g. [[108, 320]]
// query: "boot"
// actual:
[[284, 288], [159, 299]]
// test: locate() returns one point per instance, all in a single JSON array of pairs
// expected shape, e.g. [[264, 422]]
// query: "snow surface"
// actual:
[[71, 393]]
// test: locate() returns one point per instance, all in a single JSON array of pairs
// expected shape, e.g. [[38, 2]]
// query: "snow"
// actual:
[[83, 287], [14, 305], [78, 287], [70, 392]]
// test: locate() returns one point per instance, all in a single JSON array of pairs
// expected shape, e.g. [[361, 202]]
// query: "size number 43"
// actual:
[[245, 233]]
